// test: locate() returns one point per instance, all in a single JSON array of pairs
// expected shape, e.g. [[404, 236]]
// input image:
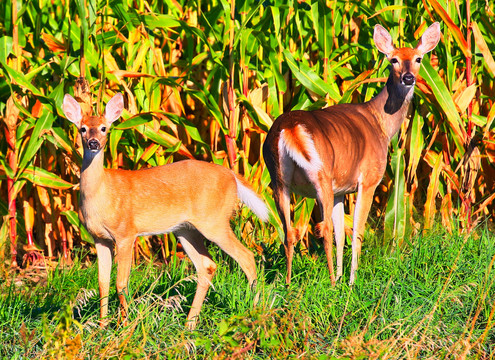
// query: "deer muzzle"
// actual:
[[408, 79], [93, 145]]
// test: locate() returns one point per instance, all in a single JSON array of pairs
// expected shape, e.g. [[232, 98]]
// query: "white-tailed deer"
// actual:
[[327, 153], [192, 199]]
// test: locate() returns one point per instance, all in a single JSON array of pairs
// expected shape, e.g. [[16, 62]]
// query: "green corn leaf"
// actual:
[[20, 79], [190, 128], [416, 144], [207, 99], [5, 48], [44, 123], [444, 99], [135, 121], [396, 213], [61, 139], [6, 168], [309, 79], [279, 77], [74, 220], [161, 21], [42, 177], [114, 138], [162, 138]]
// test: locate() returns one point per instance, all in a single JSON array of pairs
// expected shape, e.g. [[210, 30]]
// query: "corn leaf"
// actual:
[[309, 79], [42, 177], [73, 218], [445, 101], [396, 212]]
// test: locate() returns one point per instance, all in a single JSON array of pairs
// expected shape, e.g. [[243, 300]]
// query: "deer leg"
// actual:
[[193, 244], [363, 205], [339, 230], [282, 199], [227, 241], [124, 262], [281, 193], [325, 228], [104, 253]]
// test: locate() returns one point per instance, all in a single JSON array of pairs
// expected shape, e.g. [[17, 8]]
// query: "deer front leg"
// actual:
[[362, 209], [104, 253], [124, 262], [339, 230]]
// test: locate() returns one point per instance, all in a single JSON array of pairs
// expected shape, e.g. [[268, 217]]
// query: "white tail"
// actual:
[[325, 154], [251, 199], [193, 199]]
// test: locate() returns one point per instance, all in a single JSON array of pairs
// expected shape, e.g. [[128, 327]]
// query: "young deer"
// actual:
[[327, 153], [192, 199]]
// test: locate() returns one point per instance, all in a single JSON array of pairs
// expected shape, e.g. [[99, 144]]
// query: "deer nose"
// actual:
[[93, 144], [408, 79]]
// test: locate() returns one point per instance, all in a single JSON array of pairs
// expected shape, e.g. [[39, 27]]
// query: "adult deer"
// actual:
[[327, 153], [192, 199]]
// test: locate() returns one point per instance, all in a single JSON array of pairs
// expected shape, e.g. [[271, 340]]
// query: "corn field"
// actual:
[[206, 79]]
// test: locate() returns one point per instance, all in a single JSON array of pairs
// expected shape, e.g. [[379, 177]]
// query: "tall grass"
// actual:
[[431, 301]]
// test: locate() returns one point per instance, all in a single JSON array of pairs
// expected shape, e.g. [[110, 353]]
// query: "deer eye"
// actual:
[[103, 129], [418, 60], [83, 130], [394, 61]]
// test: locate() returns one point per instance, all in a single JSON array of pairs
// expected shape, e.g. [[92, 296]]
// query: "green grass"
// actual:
[[432, 299]]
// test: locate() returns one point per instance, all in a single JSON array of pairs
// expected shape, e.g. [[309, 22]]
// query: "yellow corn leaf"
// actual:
[[456, 32], [143, 51], [264, 117], [259, 95], [481, 43], [446, 209], [489, 121], [484, 204], [388, 8], [110, 62], [430, 206], [465, 98]]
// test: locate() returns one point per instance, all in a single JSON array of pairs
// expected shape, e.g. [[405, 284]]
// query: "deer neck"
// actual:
[[391, 106], [92, 171]]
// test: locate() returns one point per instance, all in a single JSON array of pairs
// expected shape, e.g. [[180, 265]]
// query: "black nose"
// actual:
[[93, 144], [408, 79]]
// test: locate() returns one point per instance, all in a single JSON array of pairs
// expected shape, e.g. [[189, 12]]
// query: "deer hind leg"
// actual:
[[282, 200], [124, 262], [281, 194], [362, 209], [339, 230], [104, 253], [193, 243], [324, 229], [222, 235]]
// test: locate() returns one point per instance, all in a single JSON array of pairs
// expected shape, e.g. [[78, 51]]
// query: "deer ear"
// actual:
[[430, 38], [72, 110], [114, 108], [383, 40]]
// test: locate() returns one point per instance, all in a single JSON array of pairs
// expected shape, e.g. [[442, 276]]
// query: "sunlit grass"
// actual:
[[432, 299]]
